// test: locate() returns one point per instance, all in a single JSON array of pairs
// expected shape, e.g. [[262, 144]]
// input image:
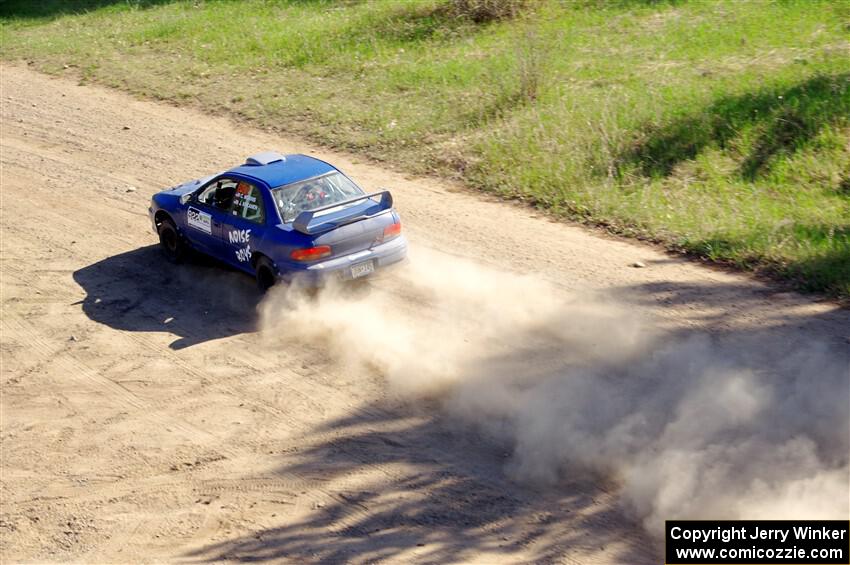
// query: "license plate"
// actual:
[[362, 269]]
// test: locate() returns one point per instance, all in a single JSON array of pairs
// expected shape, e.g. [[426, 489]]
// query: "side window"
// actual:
[[219, 194], [206, 195], [248, 203]]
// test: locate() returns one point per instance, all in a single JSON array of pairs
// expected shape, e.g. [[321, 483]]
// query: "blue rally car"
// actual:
[[281, 217]]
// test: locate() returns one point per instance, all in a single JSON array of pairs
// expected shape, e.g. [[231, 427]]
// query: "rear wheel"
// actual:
[[173, 246], [264, 270]]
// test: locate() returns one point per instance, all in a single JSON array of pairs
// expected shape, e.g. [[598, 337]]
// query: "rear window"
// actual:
[[292, 199], [248, 202]]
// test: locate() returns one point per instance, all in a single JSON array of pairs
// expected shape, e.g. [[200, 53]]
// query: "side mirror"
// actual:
[[185, 198]]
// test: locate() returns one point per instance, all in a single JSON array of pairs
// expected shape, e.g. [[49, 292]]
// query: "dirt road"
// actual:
[[149, 413]]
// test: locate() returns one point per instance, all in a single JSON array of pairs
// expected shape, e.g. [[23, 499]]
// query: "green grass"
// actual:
[[718, 128]]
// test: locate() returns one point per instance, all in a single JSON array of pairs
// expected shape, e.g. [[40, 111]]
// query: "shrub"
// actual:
[[482, 11]]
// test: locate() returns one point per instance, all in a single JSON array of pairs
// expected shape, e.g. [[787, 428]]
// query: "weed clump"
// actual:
[[483, 11]]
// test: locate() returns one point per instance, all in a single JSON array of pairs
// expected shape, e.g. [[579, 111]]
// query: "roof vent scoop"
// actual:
[[264, 158]]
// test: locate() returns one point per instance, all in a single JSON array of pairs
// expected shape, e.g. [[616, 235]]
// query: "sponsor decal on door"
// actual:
[[200, 220]]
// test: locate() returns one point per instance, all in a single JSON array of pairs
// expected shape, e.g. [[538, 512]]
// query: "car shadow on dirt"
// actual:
[[139, 291]]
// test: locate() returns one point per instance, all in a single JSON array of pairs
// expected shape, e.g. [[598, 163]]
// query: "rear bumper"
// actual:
[[381, 256]]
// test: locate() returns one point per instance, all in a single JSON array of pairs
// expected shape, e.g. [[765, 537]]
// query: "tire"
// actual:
[[172, 244], [265, 273]]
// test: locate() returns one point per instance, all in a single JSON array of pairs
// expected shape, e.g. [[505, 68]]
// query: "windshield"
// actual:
[[292, 199]]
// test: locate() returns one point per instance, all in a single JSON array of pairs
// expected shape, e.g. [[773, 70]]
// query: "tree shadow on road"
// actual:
[[139, 291], [448, 500], [418, 481]]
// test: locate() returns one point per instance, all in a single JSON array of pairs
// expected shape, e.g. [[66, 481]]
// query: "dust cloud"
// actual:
[[690, 426]]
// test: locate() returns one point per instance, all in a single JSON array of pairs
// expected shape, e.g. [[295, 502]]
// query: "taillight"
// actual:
[[392, 230], [311, 253]]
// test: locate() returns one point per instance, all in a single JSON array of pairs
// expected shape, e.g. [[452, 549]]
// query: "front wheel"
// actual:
[[264, 271], [173, 246]]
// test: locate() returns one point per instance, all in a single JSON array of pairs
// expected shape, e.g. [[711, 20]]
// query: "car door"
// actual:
[[244, 226], [205, 215]]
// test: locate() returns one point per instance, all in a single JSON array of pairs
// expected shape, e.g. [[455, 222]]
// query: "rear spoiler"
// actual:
[[307, 223]]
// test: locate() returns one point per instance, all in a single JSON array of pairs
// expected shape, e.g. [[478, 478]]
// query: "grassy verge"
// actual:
[[719, 128]]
